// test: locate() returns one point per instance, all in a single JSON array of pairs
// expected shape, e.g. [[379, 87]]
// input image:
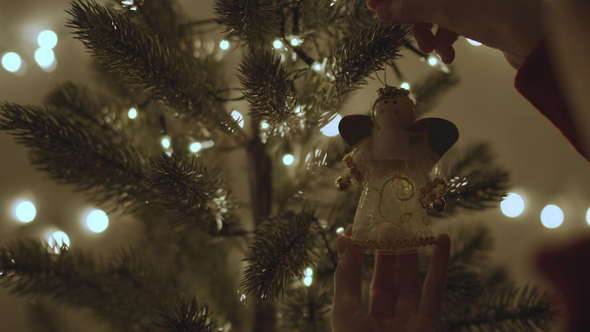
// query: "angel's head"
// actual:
[[393, 109]]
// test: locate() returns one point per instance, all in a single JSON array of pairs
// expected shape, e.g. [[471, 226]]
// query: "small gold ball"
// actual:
[[343, 184]]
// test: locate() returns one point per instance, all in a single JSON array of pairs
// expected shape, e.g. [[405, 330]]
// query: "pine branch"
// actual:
[[365, 53], [476, 156], [308, 308], [269, 89], [507, 308], [463, 290], [144, 60], [184, 316], [189, 189], [255, 21], [126, 291], [427, 92], [71, 151], [280, 252], [471, 246], [478, 190]]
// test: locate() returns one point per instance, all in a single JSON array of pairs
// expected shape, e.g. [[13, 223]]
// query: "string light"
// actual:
[[512, 205], [473, 42], [97, 221], [340, 231], [224, 44], [11, 62], [432, 60], [238, 117], [331, 129], [166, 142], [47, 39], [277, 44], [552, 216], [588, 216], [288, 159], [405, 85], [308, 277], [195, 147], [264, 124], [25, 211], [132, 113]]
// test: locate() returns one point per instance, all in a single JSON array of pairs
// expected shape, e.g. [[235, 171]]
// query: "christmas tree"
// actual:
[[157, 140]]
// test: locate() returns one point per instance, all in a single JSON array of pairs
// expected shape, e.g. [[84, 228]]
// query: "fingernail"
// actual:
[[341, 245]]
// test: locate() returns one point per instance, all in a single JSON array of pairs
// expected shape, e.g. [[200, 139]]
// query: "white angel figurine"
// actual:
[[393, 156]]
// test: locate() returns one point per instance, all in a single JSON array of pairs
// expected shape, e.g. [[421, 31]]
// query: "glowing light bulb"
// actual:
[[473, 42], [340, 231], [11, 62], [264, 125], [132, 113], [552, 216], [405, 85], [294, 42], [57, 240], [195, 147], [44, 57], [47, 39], [166, 142], [588, 216], [308, 279], [97, 221], [331, 129], [25, 211], [238, 117], [512, 205], [288, 159], [224, 44], [277, 44], [432, 60]]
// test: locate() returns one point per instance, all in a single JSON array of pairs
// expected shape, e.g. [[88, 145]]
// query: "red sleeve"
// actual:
[[536, 81]]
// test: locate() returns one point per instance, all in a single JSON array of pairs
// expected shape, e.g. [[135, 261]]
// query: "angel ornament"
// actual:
[[394, 156]]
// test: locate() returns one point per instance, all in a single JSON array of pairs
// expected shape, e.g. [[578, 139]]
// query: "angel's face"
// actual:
[[394, 113]]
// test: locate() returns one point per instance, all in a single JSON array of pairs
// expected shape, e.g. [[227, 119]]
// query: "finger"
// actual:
[[348, 231], [372, 4], [382, 303], [434, 284], [408, 284], [406, 11], [444, 44], [424, 37], [347, 278]]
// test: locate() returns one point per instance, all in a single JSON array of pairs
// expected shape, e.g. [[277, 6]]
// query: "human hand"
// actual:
[[512, 26], [394, 305]]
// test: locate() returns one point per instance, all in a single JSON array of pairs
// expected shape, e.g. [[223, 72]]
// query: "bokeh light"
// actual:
[[238, 117], [47, 39], [57, 240], [11, 62], [308, 276], [432, 60], [97, 221], [340, 231], [25, 211], [44, 57], [277, 44], [288, 159], [405, 85], [195, 147], [473, 42], [552, 216], [331, 129], [512, 205], [224, 44], [166, 142], [132, 113], [588, 216]]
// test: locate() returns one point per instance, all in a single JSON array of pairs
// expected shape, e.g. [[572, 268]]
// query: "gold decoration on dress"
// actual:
[[357, 174], [426, 190], [343, 183], [394, 244]]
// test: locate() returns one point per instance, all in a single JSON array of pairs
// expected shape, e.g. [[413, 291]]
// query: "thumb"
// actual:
[[405, 11]]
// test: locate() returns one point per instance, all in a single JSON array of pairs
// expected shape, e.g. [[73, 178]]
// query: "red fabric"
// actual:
[[536, 81]]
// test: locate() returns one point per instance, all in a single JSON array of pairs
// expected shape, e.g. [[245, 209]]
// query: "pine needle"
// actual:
[[184, 315], [308, 308], [255, 21], [281, 251]]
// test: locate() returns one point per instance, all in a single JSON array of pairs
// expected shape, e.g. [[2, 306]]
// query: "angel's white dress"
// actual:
[[390, 217]]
